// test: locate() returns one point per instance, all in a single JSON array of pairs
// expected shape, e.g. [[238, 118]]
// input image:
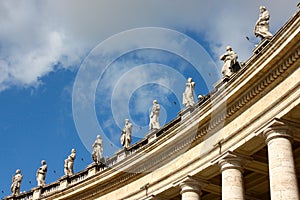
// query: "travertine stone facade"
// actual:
[[205, 142], [283, 180]]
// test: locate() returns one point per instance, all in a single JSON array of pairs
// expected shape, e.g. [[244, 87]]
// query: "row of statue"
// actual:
[[17, 178], [230, 66]]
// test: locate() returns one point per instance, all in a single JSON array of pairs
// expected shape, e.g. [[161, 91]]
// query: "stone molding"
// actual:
[[204, 129], [210, 124], [153, 197], [256, 90]]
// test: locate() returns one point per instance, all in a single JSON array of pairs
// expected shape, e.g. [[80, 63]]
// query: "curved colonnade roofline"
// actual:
[[192, 143]]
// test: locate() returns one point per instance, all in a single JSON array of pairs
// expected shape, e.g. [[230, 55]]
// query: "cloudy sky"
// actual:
[[72, 69]]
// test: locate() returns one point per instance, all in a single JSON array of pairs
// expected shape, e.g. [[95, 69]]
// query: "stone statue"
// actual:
[[188, 95], [126, 134], [154, 116], [97, 150], [230, 59], [261, 28], [69, 163], [16, 183], [41, 174]]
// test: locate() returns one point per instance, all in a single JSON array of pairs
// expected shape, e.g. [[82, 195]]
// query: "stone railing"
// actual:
[[76, 178], [49, 189], [23, 196], [92, 169]]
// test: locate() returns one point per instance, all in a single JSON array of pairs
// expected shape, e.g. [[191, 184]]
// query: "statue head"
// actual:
[[200, 97], [73, 151], [154, 101], [126, 121], [43, 162], [262, 8], [228, 48], [190, 80], [18, 171], [98, 136]]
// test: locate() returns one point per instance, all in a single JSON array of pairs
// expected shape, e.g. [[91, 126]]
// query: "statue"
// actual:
[[188, 95], [200, 97], [154, 116], [230, 59], [16, 183], [126, 134], [41, 174], [261, 28], [97, 150], [69, 163]]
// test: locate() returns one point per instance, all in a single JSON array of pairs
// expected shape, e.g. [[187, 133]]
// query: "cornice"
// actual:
[[172, 151], [171, 143]]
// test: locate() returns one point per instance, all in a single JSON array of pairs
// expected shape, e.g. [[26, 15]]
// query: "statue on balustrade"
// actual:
[[16, 183], [126, 134], [188, 95], [261, 28], [41, 174], [97, 150], [154, 116], [69, 163], [231, 64]]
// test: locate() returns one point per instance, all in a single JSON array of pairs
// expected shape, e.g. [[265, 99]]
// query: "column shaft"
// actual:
[[283, 180], [232, 184], [231, 164], [189, 193]]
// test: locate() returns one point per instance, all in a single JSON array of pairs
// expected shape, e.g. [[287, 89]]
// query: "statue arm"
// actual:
[[193, 85], [223, 57], [233, 57], [266, 16], [43, 169], [158, 108]]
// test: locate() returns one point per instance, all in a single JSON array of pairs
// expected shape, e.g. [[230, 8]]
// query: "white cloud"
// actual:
[[36, 35]]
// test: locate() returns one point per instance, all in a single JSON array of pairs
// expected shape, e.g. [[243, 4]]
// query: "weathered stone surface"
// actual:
[[283, 179]]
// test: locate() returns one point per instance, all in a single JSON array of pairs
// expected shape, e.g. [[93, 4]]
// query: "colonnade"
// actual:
[[282, 174]]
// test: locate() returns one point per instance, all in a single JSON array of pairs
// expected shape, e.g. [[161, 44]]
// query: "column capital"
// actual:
[[191, 184], [277, 129], [231, 160]]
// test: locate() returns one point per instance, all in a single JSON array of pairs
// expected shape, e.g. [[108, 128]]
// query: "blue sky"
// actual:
[[70, 70]]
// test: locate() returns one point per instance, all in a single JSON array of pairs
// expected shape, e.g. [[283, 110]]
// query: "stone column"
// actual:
[[283, 180], [191, 188], [232, 176]]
